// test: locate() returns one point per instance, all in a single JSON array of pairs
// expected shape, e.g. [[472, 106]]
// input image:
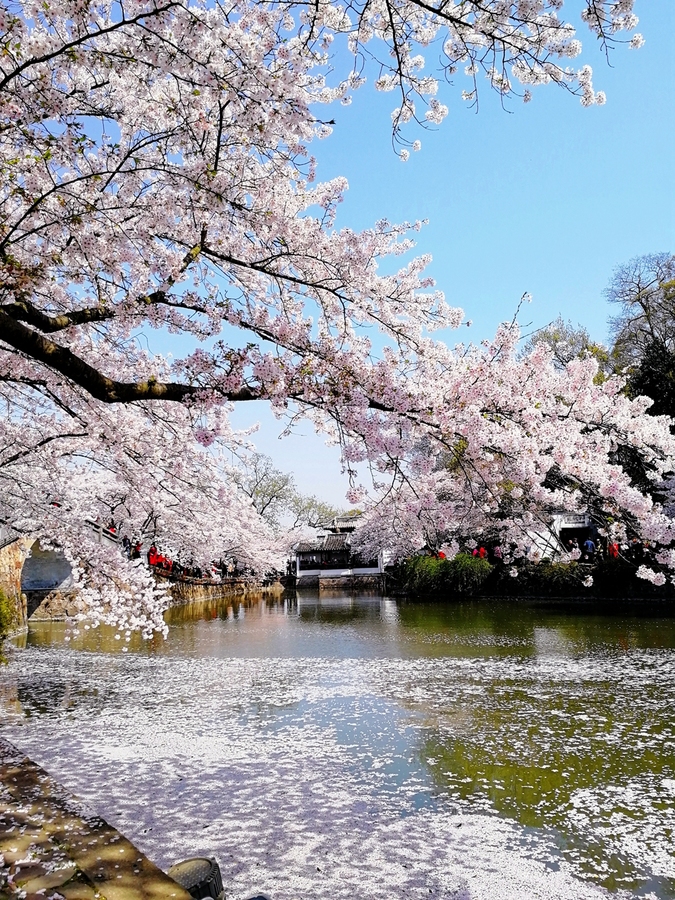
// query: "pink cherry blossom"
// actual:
[[157, 189]]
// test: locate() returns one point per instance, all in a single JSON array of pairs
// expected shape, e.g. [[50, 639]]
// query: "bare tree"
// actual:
[[276, 497], [644, 289]]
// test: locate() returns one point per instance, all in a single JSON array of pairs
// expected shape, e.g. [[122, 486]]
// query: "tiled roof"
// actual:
[[308, 546], [346, 521], [339, 523], [335, 541]]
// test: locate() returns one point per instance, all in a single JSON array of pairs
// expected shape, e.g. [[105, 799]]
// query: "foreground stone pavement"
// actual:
[[52, 847]]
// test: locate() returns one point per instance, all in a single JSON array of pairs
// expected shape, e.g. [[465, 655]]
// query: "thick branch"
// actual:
[[64, 361], [23, 311]]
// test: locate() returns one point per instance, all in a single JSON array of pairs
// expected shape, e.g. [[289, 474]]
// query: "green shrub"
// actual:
[[617, 578], [466, 575], [611, 578], [7, 618], [426, 575], [542, 579]]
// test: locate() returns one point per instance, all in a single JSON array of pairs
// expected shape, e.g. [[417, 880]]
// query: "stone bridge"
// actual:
[[35, 579], [39, 582]]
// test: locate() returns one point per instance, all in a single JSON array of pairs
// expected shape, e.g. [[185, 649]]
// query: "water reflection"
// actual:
[[560, 718], [483, 628], [337, 608]]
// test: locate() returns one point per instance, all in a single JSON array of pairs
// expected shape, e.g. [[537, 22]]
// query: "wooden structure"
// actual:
[[328, 561]]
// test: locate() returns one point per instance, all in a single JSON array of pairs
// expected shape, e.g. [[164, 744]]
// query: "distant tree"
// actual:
[[276, 497], [654, 376], [567, 342], [270, 489], [310, 512], [644, 289]]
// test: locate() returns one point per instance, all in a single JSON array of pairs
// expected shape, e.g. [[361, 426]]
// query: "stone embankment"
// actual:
[[50, 606], [50, 845], [38, 585], [196, 590], [12, 557], [351, 583]]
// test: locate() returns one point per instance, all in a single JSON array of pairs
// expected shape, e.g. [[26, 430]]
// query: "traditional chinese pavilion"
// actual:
[[328, 561]]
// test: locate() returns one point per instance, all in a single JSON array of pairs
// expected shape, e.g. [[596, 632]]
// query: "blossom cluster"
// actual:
[[492, 443], [155, 178]]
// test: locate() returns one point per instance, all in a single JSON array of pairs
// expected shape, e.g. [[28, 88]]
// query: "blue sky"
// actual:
[[546, 197]]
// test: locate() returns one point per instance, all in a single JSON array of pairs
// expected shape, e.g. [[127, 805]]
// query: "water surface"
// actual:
[[356, 747]]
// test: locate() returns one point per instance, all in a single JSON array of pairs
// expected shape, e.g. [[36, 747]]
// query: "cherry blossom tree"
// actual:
[[499, 441], [142, 474], [155, 179]]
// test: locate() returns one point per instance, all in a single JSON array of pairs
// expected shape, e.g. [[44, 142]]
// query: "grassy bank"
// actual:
[[467, 576], [429, 576]]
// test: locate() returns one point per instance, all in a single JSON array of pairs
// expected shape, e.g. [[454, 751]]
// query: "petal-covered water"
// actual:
[[356, 748]]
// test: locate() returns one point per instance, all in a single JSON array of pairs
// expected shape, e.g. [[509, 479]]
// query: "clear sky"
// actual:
[[546, 197]]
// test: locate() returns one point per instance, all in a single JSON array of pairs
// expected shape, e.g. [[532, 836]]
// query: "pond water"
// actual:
[[356, 747]]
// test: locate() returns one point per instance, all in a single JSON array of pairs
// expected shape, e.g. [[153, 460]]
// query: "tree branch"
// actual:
[[42, 443], [64, 361], [81, 39], [24, 311]]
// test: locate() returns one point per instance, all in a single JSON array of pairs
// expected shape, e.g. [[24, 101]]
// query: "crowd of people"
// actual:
[[131, 549], [585, 550], [159, 560], [635, 550], [493, 554]]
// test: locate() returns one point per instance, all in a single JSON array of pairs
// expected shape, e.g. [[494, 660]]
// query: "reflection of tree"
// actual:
[[39, 698], [529, 747], [224, 608], [524, 738], [500, 626], [9, 698], [99, 640], [506, 627], [340, 609]]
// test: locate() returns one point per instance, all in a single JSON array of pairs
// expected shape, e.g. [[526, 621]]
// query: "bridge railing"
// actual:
[[103, 532]]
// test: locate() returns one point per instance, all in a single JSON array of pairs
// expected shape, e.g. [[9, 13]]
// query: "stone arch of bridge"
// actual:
[[30, 573], [44, 572], [13, 553]]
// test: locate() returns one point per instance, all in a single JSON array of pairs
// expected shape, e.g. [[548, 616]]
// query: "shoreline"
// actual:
[[51, 842]]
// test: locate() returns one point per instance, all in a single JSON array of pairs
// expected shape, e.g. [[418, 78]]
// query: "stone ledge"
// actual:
[[51, 845], [350, 582], [52, 605]]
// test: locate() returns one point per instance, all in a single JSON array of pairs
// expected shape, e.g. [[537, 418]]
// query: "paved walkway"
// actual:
[[51, 846]]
